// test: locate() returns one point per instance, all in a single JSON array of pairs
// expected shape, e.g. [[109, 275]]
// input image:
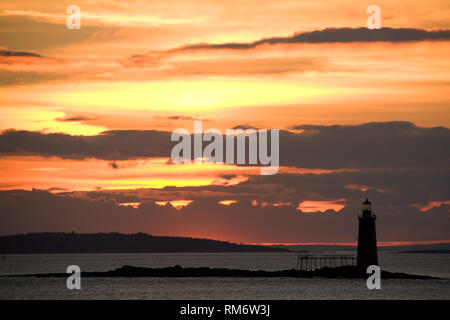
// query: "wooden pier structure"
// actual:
[[309, 262]]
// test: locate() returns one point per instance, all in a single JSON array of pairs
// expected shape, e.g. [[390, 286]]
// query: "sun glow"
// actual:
[[308, 206], [180, 204], [227, 202]]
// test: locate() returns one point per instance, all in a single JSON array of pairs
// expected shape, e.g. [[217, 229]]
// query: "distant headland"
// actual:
[[118, 243]]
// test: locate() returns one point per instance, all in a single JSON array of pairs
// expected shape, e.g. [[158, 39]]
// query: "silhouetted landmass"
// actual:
[[426, 251], [179, 272], [118, 243], [423, 248]]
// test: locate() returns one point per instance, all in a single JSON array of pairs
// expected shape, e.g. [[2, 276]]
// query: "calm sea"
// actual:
[[216, 288]]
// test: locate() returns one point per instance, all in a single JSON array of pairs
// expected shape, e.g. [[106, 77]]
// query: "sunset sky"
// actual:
[[86, 117]]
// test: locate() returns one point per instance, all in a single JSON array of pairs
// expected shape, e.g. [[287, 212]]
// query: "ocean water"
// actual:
[[216, 288]]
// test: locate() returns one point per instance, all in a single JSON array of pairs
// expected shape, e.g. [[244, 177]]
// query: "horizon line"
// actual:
[[353, 244]]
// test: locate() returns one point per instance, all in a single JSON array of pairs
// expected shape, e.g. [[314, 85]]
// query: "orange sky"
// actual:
[[122, 74], [130, 67]]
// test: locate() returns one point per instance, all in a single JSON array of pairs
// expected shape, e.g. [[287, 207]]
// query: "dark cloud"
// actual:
[[336, 35], [109, 145], [75, 118], [178, 117], [6, 53], [113, 165], [374, 144], [369, 145], [205, 217], [244, 127]]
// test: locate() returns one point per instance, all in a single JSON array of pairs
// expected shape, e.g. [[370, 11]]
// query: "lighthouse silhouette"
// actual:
[[367, 238]]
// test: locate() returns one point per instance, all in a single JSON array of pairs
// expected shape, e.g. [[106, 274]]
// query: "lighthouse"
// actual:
[[367, 238]]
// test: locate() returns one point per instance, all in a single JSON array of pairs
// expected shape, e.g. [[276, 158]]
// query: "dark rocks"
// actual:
[[349, 272]]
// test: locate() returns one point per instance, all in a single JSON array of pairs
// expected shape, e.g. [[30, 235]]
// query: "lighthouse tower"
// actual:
[[367, 239]]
